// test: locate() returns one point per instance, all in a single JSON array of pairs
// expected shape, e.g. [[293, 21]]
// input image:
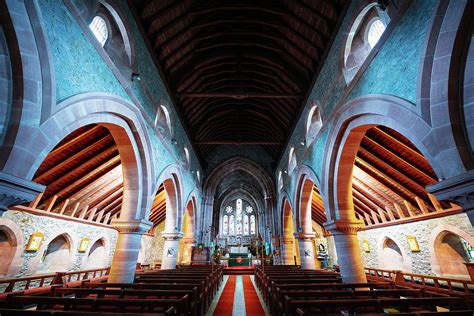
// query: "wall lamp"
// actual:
[[136, 76]]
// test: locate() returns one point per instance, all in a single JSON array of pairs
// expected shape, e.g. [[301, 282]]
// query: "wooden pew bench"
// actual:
[[374, 306], [21, 312], [160, 306]]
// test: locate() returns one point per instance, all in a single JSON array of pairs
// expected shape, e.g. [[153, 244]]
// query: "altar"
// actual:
[[239, 259]]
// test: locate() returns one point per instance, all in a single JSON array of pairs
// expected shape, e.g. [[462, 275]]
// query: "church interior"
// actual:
[[253, 157]]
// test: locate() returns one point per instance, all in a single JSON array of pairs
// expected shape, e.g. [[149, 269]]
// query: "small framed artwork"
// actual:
[[84, 244], [34, 242], [365, 246], [413, 243]]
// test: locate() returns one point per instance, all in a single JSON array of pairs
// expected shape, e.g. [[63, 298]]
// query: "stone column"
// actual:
[[305, 242], [189, 242], [125, 257], [287, 252], [14, 191], [347, 248], [170, 250]]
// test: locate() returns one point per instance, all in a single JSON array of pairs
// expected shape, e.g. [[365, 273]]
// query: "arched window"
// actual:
[[363, 35], [252, 225], [225, 225], [99, 28], [238, 219], [292, 160], [186, 156], [375, 31], [313, 124], [280, 180]]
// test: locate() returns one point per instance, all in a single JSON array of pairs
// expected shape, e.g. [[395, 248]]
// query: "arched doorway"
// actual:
[[97, 257], [290, 250], [7, 251], [57, 255]]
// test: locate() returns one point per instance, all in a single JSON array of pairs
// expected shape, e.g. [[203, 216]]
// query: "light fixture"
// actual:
[[303, 142], [173, 141], [136, 76], [286, 171]]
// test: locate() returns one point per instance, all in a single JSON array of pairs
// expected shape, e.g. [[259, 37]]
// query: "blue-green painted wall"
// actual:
[[393, 71], [79, 68]]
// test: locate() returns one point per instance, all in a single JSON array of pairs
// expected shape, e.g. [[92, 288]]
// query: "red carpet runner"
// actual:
[[226, 301], [252, 303]]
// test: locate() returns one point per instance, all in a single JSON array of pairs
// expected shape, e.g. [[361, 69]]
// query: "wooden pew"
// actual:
[[371, 306], [21, 312], [160, 306]]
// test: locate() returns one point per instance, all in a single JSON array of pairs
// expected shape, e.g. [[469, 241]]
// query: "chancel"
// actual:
[[254, 157]]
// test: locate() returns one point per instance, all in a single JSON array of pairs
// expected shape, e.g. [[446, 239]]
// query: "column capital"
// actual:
[[305, 236], [132, 226], [15, 190], [189, 240], [172, 235], [345, 227], [286, 240]]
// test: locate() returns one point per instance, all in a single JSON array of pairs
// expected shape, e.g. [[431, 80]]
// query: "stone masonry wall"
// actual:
[[24, 224], [424, 231]]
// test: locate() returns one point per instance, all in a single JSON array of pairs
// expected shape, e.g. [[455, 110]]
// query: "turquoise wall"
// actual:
[[79, 68], [393, 71]]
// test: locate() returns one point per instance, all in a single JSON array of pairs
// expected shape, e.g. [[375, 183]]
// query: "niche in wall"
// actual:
[[452, 251], [7, 251], [392, 257], [57, 256], [97, 257]]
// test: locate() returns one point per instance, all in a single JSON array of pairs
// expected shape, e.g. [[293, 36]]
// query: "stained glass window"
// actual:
[[231, 225], [252, 225], [225, 226], [237, 219], [246, 224]]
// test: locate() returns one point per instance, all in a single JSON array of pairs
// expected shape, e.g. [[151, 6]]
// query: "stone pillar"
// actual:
[[125, 257], [459, 189], [305, 242], [189, 242], [287, 250], [14, 191], [347, 248], [170, 250]]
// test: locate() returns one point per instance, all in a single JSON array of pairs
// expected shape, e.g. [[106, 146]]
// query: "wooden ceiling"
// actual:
[[239, 71], [389, 171], [158, 209], [83, 171]]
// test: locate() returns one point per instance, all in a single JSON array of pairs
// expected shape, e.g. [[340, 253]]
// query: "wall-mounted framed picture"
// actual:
[[413, 243], [365, 246], [34, 242], [84, 244]]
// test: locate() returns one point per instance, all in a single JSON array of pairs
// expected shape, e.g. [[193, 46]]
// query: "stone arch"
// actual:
[[125, 123], [391, 255], [188, 229], [55, 254], [350, 125], [288, 231], [29, 53], [306, 180], [11, 249], [171, 177], [445, 261], [97, 256], [262, 180], [440, 96]]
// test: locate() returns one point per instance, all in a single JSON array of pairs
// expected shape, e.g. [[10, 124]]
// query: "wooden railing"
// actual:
[[65, 210], [428, 283], [396, 214], [44, 280]]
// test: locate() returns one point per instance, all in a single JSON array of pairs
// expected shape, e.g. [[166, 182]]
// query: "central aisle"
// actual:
[[238, 297]]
